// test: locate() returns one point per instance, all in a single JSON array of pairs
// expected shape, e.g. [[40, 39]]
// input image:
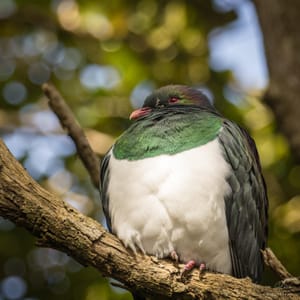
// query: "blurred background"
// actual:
[[105, 57]]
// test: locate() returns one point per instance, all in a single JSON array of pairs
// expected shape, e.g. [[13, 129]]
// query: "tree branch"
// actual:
[[68, 122], [275, 264], [59, 226]]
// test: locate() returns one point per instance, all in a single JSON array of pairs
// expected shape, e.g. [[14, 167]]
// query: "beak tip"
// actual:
[[139, 113]]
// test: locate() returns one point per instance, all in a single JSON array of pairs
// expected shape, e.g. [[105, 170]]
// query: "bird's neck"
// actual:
[[167, 133]]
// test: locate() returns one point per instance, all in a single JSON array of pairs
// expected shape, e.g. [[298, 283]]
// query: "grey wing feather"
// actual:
[[247, 205], [104, 180]]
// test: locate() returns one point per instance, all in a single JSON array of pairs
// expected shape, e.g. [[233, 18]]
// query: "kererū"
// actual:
[[185, 182]]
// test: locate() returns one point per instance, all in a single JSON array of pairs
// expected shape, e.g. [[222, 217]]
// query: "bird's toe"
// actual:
[[188, 267]]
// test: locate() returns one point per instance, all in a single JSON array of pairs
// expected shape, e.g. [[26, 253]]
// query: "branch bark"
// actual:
[[59, 226], [279, 22], [273, 262]]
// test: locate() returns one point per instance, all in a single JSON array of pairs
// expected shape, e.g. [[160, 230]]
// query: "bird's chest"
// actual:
[[173, 202]]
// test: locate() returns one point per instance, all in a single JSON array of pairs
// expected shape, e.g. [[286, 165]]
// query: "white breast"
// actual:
[[173, 202]]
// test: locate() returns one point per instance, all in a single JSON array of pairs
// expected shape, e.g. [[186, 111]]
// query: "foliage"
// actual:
[[100, 55]]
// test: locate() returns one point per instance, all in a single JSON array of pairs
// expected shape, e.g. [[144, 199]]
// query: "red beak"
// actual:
[[139, 113]]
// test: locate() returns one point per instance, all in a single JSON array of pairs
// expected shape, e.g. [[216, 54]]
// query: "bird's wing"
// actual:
[[104, 179], [247, 205]]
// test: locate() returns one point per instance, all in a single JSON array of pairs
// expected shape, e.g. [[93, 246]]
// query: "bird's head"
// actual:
[[171, 96]]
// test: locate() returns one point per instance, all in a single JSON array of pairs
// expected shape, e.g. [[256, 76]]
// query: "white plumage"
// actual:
[[173, 202]]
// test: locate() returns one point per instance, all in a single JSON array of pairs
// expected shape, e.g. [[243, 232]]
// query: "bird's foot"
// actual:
[[202, 269], [188, 267]]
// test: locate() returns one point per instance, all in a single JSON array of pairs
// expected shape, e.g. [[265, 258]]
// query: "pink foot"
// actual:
[[188, 267]]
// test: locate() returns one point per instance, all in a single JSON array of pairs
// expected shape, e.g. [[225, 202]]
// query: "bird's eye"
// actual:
[[173, 99]]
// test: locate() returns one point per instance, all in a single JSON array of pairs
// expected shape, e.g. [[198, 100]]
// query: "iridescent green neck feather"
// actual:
[[166, 132]]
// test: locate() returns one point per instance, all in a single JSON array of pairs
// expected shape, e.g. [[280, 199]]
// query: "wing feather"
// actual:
[[104, 180], [247, 205]]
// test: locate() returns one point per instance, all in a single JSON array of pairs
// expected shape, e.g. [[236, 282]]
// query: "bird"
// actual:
[[185, 182]]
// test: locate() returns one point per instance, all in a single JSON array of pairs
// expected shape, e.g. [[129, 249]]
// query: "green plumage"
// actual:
[[156, 135]]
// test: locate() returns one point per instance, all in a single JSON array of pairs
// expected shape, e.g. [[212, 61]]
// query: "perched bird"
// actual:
[[185, 182]]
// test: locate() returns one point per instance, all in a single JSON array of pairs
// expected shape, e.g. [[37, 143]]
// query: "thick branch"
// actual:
[[58, 225], [68, 121]]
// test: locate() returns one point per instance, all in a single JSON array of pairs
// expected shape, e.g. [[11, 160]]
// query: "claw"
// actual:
[[139, 244], [174, 256], [202, 269]]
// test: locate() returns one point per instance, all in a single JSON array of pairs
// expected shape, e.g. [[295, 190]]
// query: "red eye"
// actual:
[[173, 100]]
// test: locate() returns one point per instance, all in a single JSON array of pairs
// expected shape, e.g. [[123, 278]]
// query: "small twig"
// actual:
[[274, 263], [68, 121]]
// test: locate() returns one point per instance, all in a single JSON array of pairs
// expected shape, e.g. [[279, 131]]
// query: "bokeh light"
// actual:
[[140, 92], [39, 73], [7, 67], [13, 287], [96, 77], [14, 92], [7, 8], [68, 14]]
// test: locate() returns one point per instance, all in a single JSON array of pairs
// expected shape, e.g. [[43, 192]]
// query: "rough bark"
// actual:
[[281, 31], [59, 226]]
